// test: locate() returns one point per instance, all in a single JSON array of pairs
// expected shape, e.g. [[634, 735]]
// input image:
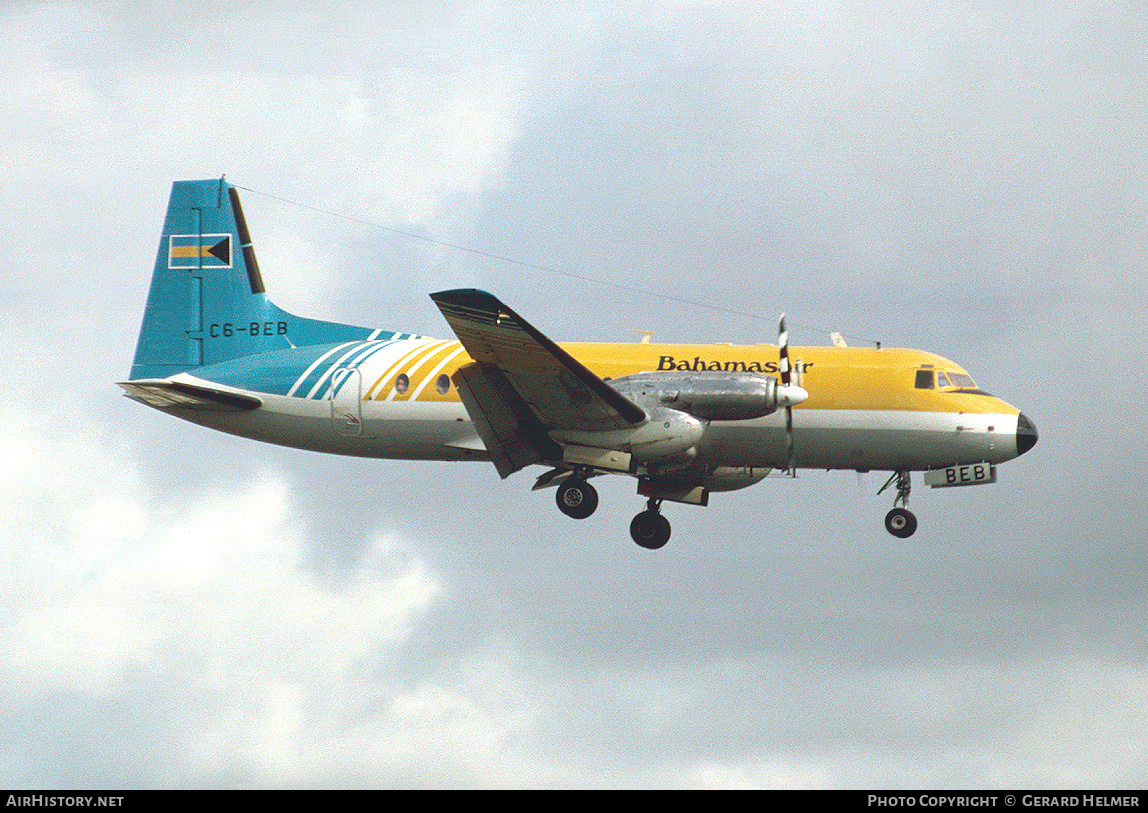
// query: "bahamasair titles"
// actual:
[[684, 421]]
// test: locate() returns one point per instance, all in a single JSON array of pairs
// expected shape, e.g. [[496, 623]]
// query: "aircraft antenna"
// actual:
[[547, 269]]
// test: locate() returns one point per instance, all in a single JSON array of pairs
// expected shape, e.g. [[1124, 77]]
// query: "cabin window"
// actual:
[[442, 384], [402, 384], [925, 379]]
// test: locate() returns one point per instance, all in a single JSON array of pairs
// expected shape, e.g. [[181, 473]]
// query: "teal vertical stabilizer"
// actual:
[[207, 303]]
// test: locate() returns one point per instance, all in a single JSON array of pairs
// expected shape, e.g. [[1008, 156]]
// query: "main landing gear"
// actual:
[[650, 529], [900, 521], [578, 499]]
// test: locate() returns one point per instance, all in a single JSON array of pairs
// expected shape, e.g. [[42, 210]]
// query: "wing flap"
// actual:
[[508, 428]]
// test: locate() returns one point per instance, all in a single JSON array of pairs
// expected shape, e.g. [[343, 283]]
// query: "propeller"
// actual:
[[788, 394]]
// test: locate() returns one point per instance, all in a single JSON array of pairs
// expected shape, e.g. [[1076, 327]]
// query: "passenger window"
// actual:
[[924, 379], [402, 384], [442, 384]]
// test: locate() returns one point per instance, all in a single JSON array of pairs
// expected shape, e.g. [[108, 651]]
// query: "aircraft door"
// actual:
[[347, 402]]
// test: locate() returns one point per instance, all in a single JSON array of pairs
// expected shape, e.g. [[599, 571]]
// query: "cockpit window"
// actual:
[[927, 379]]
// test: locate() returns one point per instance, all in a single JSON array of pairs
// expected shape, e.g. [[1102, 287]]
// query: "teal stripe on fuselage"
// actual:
[[273, 372], [350, 359], [322, 373], [304, 372], [315, 370], [365, 354]]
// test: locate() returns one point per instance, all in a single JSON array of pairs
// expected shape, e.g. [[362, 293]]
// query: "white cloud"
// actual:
[[759, 776], [407, 148], [202, 595]]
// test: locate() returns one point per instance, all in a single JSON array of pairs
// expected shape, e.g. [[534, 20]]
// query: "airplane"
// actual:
[[684, 421]]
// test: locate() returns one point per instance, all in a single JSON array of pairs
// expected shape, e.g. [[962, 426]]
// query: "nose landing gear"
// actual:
[[900, 521]]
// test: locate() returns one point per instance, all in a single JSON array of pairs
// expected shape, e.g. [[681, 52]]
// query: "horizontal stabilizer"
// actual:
[[164, 394]]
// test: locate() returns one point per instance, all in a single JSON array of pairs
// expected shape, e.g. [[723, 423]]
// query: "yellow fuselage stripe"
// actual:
[[835, 377]]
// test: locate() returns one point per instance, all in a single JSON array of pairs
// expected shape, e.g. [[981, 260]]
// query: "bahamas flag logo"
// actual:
[[199, 251]]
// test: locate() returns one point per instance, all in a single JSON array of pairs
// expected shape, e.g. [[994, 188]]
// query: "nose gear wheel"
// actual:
[[900, 521]]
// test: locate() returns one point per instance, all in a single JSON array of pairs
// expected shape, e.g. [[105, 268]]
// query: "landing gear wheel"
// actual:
[[577, 499], [650, 529], [901, 522]]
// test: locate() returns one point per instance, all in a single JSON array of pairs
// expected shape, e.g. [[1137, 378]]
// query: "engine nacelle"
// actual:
[[731, 478], [693, 486], [678, 406], [669, 436], [710, 395]]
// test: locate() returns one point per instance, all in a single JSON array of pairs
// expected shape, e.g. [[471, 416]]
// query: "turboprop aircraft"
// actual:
[[684, 421]]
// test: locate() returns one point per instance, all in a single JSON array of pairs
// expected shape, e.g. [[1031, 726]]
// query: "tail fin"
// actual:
[[207, 303]]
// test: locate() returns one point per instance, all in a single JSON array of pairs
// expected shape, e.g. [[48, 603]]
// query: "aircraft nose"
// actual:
[[1025, 434]]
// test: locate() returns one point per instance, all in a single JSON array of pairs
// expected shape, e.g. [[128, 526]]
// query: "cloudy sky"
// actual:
[[183, 608]]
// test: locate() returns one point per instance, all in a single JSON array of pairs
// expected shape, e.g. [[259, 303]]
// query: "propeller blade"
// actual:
[[791, 459], [783, 349], [793, 394]]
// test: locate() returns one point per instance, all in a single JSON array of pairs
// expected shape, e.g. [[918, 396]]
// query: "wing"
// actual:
[[522, 385]]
